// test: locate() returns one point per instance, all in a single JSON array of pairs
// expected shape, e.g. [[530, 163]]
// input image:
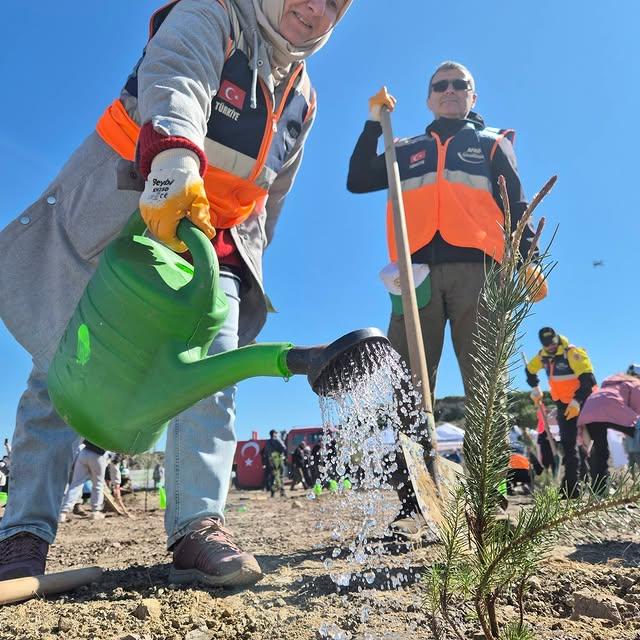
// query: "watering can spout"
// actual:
[[197, 378]]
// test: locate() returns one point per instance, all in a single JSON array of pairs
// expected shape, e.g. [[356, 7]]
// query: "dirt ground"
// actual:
[[297, 599]]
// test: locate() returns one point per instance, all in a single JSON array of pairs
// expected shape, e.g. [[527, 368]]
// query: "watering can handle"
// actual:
[[205, 262], [206, 269]]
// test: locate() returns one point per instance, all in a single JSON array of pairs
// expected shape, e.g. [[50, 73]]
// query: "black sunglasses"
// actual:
[[458, 84]]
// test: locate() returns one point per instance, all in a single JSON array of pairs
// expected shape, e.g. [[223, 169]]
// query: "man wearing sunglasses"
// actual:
[[454, 212]]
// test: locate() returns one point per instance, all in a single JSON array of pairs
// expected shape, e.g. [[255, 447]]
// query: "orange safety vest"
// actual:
[[447, 187], [235, 129], [518, 461], [563, 382]]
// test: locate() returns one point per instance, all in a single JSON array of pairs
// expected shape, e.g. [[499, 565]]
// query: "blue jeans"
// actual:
[[201, 444]]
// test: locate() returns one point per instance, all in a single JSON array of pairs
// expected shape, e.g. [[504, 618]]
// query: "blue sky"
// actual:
[[561, 74]]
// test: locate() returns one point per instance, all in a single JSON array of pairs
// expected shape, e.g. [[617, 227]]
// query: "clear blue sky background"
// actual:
[[561, 73]]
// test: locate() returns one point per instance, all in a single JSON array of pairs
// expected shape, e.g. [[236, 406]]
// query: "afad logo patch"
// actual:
[[232, 94]]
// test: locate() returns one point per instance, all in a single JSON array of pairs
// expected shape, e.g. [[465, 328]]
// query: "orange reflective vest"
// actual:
[[245, 147], [518, 461], [448, 187]]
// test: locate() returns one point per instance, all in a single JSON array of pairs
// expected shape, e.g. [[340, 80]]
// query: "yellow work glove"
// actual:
[[536, 283], [175, 190], [573, 410], [382, 99], [536, 395]]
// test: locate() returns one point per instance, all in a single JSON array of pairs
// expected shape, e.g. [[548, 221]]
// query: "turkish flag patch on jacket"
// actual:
[[232, 94]]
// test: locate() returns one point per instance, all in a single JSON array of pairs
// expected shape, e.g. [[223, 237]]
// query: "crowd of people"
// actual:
[[97, 469], [304, 467], [584, 410]]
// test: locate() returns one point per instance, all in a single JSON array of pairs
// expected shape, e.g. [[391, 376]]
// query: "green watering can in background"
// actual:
[[134, 354]]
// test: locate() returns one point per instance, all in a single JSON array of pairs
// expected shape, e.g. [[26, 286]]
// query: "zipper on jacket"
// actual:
[[442, 156], [271, 126]]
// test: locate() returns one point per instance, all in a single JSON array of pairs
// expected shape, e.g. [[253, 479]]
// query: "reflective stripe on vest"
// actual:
[[563, 382], [447, 187], [245, 148]]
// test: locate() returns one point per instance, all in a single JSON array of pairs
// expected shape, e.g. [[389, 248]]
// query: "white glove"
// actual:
[[175, 190], [536, 395]]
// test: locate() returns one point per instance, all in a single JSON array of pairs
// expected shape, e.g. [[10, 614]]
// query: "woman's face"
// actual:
[[305, 20]]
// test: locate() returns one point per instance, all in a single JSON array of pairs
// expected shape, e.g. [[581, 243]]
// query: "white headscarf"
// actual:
[[269, 13]]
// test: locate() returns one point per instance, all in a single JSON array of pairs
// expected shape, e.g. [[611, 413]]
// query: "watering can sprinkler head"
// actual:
[[335, 366]]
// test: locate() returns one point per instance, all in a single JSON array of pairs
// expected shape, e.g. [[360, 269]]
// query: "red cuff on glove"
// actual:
[[151, 143]]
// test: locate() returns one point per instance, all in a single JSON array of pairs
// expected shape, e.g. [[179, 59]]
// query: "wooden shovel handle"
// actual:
[[417, 355], [25, 588]]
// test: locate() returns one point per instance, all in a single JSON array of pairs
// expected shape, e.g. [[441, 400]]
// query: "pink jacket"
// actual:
[[616, 401]]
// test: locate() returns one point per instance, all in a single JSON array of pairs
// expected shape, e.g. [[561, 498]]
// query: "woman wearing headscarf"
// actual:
[[211, 122]]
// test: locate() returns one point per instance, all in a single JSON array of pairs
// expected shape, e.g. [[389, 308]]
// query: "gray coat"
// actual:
[[49, 252]]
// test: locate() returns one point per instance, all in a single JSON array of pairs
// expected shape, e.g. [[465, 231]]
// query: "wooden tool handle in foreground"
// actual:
[[25, 588], [417, 356]]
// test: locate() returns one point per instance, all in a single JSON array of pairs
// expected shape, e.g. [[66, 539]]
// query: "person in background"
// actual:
[[449, 175], [5, 467], [300, 461], [158, 476], [455, 216], [314, 463], [615, 405], [91, 463], [125, 475], [211, 124], [571, 381], [274, 454], [115, 481]]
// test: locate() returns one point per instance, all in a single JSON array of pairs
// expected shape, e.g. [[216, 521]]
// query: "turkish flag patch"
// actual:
[[232, 94]]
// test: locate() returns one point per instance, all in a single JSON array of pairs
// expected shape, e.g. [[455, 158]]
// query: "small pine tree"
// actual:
[[485, 557]]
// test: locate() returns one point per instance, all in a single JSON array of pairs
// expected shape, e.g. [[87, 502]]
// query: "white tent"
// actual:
[[449, 436]]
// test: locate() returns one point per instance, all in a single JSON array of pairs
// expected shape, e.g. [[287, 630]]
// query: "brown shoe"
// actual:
[[208, 554], [22, 556]]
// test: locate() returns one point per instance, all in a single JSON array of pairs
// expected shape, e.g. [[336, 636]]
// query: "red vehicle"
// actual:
[[247, 462]]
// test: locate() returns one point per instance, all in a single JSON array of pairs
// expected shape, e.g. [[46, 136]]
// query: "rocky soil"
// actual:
[[584, 591]]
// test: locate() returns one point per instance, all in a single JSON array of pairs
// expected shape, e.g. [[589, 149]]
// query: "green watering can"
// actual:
[[134, 354]]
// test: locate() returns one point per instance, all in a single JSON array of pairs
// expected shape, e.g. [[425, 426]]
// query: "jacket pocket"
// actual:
[[91, 208]]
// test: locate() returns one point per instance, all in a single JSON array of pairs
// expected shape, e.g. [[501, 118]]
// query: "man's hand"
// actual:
[[536, 395], [175, 190], [573, 410], [382, 99], [536, 283]]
